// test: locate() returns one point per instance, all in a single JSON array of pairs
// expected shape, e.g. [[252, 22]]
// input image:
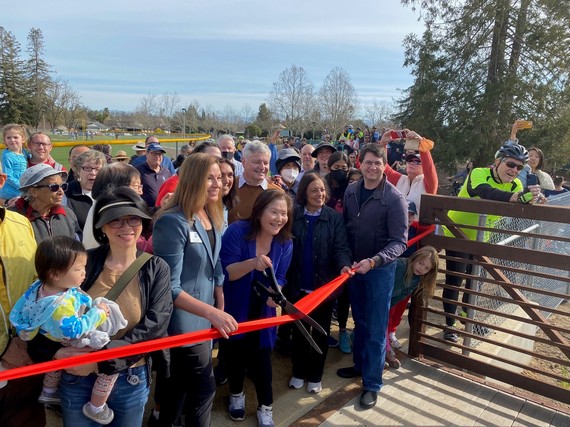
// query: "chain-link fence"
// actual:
[[529, 279]]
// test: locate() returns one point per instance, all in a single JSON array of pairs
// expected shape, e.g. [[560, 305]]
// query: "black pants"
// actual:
[[19, 403], [307, 363], [245, 354], [342, 307], [191, 385], [453, 294]]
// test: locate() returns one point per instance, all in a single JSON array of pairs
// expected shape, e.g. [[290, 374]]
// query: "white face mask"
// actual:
[[289, 175]]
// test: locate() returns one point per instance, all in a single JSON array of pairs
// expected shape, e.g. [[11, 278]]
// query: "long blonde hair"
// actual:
[[191, 194], [18, 128], [426, 287]]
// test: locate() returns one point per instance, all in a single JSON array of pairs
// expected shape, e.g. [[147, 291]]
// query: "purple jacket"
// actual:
[[378, 229], [240, 300]]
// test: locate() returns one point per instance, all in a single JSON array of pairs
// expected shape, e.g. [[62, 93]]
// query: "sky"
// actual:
[[218, 53]]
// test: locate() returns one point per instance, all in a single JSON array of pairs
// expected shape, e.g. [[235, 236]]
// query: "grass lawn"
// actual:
[[62, 144]]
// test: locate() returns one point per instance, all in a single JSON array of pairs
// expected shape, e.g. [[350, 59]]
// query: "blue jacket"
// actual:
[[13, 165], [238, 294], [378, 229], [194, 268]]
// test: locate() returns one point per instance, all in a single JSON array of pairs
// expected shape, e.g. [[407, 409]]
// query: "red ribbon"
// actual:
[[306, 305]]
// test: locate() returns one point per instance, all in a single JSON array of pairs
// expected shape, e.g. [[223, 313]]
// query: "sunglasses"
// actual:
[[54, 188], [512, 165], [415, 162]]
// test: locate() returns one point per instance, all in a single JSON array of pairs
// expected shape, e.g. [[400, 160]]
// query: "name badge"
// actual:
[[194, 237]]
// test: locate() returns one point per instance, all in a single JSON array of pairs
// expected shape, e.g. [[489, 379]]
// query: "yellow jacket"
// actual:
[[17, 270]]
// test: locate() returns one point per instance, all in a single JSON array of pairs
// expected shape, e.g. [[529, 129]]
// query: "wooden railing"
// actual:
[[517, 321]]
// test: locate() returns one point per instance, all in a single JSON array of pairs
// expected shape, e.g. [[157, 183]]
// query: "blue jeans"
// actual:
[[370, 296], [126, 400]]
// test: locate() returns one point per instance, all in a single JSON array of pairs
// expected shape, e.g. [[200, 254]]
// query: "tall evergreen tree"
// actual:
[[13, 100], [496, 60], [38, 74]]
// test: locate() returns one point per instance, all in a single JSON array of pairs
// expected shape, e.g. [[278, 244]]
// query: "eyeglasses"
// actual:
[[41, 144], [512, 165], [53, 187], [90, 169], [369, 163], [133, 221]]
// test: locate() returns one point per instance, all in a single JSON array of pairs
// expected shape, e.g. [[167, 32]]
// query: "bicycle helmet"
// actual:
[[514, 151]]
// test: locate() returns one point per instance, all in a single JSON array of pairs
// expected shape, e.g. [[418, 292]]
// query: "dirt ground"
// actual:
[[561, 369]]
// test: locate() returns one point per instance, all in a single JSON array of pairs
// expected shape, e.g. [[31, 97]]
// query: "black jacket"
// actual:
[[156, 304], [330, 249], [78, 202], [379, 228]]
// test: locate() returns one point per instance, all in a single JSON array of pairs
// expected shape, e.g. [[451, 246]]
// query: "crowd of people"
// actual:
[[133, 249]]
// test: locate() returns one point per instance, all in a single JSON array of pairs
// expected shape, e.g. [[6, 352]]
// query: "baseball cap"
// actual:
[[155, 147], [413, 158]]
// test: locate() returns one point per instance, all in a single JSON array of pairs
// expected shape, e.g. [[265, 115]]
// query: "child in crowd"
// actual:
[[416, 274], [55, 307], [14, 161], [558, 182], [354, 175], [397, 311]]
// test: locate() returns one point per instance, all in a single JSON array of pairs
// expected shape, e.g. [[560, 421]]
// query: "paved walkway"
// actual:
[[417, 394]]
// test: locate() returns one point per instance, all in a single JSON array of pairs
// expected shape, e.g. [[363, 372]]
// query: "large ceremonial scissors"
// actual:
[[274, 292]]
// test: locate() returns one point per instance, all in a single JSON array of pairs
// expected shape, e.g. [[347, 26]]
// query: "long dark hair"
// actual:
[[230, 200], [112, 176], [261, 203]]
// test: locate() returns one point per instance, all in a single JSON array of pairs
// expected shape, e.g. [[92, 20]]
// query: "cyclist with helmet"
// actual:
[[500, 183]]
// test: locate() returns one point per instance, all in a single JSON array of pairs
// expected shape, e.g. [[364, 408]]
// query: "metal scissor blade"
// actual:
[[308, 336], [295, 312], [287, 306]]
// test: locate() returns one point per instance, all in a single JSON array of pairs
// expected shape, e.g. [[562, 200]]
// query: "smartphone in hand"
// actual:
[[531, 179]]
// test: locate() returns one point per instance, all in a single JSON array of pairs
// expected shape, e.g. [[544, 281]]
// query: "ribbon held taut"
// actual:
[[306, 305]]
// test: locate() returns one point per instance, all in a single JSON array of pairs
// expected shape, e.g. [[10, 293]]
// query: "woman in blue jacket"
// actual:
[[249, 248], [187, 235]]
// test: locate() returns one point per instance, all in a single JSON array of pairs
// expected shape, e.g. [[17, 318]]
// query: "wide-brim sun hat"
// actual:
[[139, 146], [32, 176], [116, 210], [121, 155], [323, 146]]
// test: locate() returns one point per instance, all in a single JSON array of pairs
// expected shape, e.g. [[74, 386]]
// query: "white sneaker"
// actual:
[[104, 417], [394, 343], [237, 406], [314, 387], [265, 416], [296, 383]]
